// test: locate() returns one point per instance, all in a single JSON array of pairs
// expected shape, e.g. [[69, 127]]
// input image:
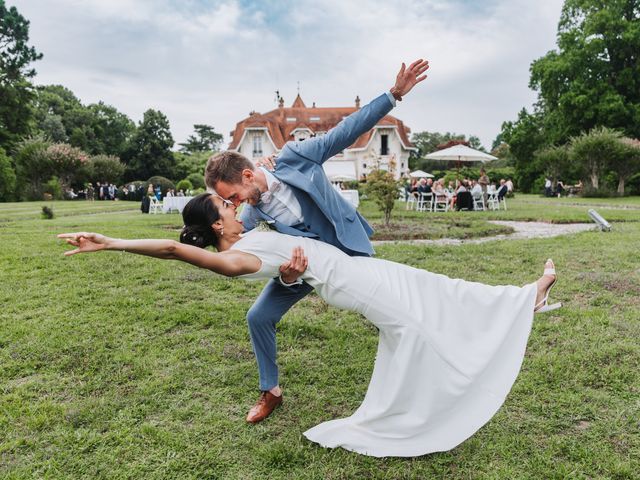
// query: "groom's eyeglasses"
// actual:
[[227, 203]]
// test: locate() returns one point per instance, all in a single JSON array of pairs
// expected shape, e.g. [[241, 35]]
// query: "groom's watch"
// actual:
[[396, 94]]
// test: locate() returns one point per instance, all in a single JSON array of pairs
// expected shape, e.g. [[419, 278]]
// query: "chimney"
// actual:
[[281, 103], [358, 101], [314, 105]]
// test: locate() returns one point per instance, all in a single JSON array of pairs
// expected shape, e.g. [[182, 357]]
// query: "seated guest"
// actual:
[[502, 191], [476, 190], [461, 186], [424, 186]]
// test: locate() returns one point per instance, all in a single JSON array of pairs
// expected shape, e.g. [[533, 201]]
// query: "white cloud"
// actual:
[[213, 62]]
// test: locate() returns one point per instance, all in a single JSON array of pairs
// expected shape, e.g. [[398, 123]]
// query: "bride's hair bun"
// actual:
[[198, 236], [198, 216]]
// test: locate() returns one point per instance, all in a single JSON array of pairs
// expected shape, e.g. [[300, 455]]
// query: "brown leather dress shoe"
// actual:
[[266, 404]]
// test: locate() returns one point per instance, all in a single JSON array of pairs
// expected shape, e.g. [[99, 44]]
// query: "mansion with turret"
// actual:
[[385, 146]]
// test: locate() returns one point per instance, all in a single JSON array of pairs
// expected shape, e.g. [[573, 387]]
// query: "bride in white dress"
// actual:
[[449, 350]]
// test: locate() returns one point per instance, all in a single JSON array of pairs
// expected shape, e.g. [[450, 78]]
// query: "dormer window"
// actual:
[[257, 145], [314, 119], [291, 119]]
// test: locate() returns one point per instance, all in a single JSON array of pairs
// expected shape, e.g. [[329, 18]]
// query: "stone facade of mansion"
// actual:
[[386, 145]]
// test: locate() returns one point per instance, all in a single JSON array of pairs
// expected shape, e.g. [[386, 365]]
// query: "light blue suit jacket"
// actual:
[[327, 215]]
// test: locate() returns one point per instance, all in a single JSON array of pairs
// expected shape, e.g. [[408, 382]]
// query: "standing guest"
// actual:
[[547, 187], [112, 191], [169, 193], [559, 188], [90, 192], [484, 184], [180, 193]]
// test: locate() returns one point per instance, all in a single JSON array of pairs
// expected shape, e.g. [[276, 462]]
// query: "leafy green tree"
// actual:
[[383, 189], [596, 152], [186, 164], [15, 53], [98, 129], [33, 168], [16, 92], [7, 178], [66, 162], [106, 168], [111, 130], [593, 78], [628, 164], [150, 152], [525, 136], [555, 162], [204, 140]]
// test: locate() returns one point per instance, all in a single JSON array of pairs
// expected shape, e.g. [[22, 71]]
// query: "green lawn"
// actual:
[[118, 366]]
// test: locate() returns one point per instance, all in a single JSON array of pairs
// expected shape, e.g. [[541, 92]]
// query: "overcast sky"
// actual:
[[206, 61]]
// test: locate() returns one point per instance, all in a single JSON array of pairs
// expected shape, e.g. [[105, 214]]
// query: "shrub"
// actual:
[[165, 184], [184, 185], [197, 180], [47, 213]]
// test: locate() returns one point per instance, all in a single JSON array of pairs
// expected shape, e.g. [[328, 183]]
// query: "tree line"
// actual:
[[47, 135], [586, 121]]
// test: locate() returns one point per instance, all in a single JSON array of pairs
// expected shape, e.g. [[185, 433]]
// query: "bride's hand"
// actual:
[[85, 242], [290, 271]]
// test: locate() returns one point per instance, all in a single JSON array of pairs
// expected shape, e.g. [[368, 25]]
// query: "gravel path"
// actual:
[[522, 230]]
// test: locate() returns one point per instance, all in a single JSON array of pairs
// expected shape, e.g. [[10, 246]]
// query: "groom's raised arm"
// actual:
[[319, 149]]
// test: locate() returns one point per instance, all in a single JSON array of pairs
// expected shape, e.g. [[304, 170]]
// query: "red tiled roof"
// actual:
[[314, 118]]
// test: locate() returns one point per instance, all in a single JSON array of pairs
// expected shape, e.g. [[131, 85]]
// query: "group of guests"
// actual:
[[482, 187], [561, 188]]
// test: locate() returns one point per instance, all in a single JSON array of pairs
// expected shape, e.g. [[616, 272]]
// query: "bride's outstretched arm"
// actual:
[[229, 263]]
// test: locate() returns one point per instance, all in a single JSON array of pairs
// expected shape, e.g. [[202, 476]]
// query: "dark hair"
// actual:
[[198, 216], [226, 167]]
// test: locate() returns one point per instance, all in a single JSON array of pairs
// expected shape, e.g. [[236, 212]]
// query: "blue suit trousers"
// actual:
[[274, 301]]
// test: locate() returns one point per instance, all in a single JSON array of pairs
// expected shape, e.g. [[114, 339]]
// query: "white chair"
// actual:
[[424, 202], [478, 201], [440, 202], [492, 201], [412, 201], [155, 206], [402, 194]]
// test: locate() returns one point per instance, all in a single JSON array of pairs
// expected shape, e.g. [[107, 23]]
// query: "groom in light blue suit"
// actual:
[[297, 198]]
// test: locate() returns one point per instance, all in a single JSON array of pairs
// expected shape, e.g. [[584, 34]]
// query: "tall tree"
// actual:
[[204, 140], [16, 91], [593, 78], [150, 152]]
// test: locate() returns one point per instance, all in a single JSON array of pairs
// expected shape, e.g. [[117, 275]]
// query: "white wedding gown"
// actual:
[[448, 354]]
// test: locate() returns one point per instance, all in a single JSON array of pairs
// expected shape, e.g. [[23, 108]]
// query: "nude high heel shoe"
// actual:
[[543, 305]]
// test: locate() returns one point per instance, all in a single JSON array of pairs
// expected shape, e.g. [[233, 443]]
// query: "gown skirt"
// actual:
[[448, 354]]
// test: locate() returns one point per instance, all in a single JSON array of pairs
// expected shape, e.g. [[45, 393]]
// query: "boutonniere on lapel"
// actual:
[[263, 226]]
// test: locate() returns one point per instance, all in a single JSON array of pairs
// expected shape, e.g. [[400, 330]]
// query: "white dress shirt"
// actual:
[[279, 201]]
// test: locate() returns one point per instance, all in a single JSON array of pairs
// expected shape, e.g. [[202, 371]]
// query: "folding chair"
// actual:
[[412, 201], [424, 202], [478, 201], [440, 203], [155, 206]]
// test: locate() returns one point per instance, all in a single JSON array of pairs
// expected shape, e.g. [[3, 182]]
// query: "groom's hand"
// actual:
[[267, 162], [408, 77], [290, 271]]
